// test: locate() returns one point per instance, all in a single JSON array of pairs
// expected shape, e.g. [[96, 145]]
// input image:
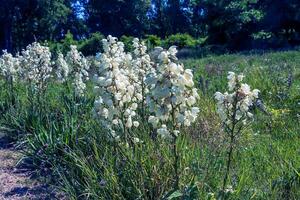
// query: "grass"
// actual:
[[64, 141], [267, 164]]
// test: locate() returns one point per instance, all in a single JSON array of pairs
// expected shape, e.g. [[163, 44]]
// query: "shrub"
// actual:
[[92, 45], [89, 46], [152, 41], [181, 41], [127, 40], [62, 46]]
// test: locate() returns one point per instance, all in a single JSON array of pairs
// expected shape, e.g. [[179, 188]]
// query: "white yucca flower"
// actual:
[[233, 107], [172, 96], [35, 65], [141, 68], [76, 68], [9, 66], [116, 102], [62, 70]]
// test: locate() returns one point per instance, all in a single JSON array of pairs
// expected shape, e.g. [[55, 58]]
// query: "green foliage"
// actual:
[[181, 41], [26, 21], [64, 45], [127, 40], [247, 11], [67, 42], [118, 17], [89, 46], [152, 41], [92, 45], [234, 24], [262, 35]]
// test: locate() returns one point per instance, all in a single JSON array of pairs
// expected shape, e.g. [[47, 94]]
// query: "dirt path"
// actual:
[[15, 183]]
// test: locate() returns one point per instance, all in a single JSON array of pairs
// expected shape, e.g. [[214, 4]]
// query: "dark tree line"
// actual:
[[235, 24]]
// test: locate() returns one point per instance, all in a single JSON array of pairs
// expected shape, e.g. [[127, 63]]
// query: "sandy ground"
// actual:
[[15, 182]]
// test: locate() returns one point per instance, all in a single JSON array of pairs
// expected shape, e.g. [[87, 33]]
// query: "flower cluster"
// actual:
[[116, 102], [76, 68], [62, 70], [172, 96], [235, 106], [36, 66], [9, 66], [142, 66], [159, 84]]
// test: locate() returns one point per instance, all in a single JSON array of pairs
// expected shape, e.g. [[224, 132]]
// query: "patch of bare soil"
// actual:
[[16, 183]]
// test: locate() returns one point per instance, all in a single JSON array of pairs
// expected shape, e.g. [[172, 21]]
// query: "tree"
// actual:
[[9, 10], [228, 22], [25, 21], [118, 17], [177, 20], [282, 22]]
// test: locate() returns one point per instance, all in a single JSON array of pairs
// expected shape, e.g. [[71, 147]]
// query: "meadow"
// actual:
[[54, 117]]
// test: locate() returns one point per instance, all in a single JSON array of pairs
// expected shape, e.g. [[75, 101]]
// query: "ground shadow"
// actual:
[[5, 142], [40, 192], [28, 187]]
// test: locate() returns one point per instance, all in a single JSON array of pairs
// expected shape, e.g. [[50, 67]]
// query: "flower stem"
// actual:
[[229, 160], [175, 153], [175, 164], [231, 144]]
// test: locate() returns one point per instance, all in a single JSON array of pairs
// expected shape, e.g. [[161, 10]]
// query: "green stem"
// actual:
[[229, 160], [175, 152], [231, 144], [175, 164]]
